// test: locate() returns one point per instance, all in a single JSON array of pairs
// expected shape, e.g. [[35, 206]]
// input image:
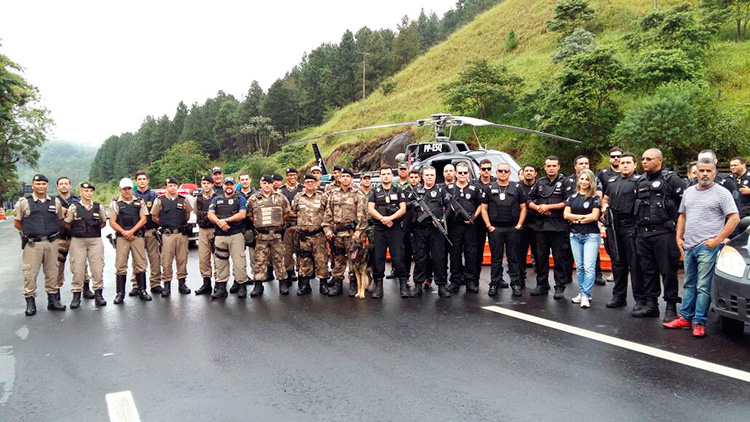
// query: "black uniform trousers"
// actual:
[[504, 241], [429, 255], [393, 240], [408, 250], [527, 239], [481, 239], [659, 255], [559, 243], [628, 262], [463, 253]]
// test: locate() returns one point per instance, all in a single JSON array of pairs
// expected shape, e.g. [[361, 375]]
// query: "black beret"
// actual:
[[207, 179], [172, 180], [291, 170], [87, 185], [310, 177], [266, 178], [40, 178], [277, 176], [337, 167], [347, 171]]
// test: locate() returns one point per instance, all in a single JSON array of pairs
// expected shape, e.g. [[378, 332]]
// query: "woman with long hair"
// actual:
[[582, 210]]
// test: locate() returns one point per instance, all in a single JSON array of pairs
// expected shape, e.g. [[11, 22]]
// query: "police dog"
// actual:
[[360, 257]]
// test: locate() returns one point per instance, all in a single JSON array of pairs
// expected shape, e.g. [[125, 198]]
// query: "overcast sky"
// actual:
[[103, 66]]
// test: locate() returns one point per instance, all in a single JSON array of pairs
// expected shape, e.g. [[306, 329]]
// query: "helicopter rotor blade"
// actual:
[[359, 130], [479, 122]]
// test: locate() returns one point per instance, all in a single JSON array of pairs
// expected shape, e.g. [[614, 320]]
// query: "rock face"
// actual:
[[371, 156]]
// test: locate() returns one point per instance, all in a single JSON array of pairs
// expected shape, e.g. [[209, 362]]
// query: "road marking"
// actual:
[[652, 351], [108, 354], [121, 407]]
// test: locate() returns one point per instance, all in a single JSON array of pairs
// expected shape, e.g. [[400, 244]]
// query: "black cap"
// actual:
[[277, 176], [87, 185], [310, 177], [338, 167], [172, 180], [291, 170], [347, 171], [229, 179], [40, 178], [216, 170], [207, 179], [266, 178]]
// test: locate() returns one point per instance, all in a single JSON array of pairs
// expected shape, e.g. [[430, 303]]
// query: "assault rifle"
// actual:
[[436, 221]]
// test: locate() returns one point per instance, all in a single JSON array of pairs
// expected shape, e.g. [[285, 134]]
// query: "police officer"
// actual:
[[528, 235], [268, 210], [318, 173], [171, 212], [278, 180], [336, 183], [127, 216], [547, 200], [308, 208], [386, 205], [247, 191], [449, 174], [403, 176], [484, 181], [429, 242], [462, 230], [658, 196], [85, 222], [503, 212], [217, 176], [290, 189], [145, 194], [410, 219], [67, 199], [38, 219], [742, 179], [206, 234], [227, 213], [344, 219], [620, 198], [605, 175]]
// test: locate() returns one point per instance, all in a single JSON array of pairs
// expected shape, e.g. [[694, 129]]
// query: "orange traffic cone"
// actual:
[[2, 214]]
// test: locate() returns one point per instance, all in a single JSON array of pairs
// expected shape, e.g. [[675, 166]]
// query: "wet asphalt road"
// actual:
[[340, 359]]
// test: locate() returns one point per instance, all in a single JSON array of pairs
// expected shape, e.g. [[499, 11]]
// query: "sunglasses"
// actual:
[[614, 156], [486, 168], [463, 172], [503, 171]]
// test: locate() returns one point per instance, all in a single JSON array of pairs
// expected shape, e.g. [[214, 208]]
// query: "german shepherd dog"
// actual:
[[360, 262]]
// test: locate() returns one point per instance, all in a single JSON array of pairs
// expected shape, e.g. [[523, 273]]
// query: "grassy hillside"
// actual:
[[416, 95]]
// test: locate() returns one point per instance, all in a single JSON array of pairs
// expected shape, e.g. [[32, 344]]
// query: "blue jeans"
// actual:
[[699, 271], [585, 251]]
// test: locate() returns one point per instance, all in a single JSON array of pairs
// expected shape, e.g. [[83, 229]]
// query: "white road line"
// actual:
[[652, 351], [121, 407]]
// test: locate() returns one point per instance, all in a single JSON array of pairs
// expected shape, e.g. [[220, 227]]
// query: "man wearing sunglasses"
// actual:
[[605, 175], [462, 230], [485, 180]]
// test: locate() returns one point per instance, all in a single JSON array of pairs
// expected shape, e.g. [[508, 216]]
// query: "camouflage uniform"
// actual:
[[312, 252], [346, 218], [267, 214]]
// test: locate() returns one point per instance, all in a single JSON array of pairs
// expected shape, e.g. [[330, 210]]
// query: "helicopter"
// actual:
[[443, 150]]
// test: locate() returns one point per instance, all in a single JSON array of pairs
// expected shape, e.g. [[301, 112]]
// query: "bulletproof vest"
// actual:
[[653, 205], [172, 212], [387, 202], [270, 212], [67, 203], [42, 220], [290, 193], [623, 195], [225, 208], [201, 211], [434, 201], [148, 198], [465, 198], [310, 209], [128, 215], [87, 222], [504, 206], [553, 192]]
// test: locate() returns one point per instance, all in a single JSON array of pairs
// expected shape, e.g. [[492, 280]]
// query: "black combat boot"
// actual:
[[392, 275], [53, 302], [454, 287], [235, 287], [516, 289], [559, 293], [378, 293], [156, 289], [403, 287], [650, 309], [76, 302], [120, 286], [443, 291], [324, 286], [417, 291], [205, 288], [183, 288], [257, 289], [99, 299], [220, 291], [30, 306], [303, 286], [493, 290], [284, 287], [336, 287], [242, 291], [352, 286], [141, 279], [540, 291], [472, 286], [616, 302], [639, 304], [167, 289], [135, 291], [87, 293], [291, 275], [670, 312]]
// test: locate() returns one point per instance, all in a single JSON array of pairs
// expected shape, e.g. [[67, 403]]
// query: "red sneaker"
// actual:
[[699, 330], [679, 323]]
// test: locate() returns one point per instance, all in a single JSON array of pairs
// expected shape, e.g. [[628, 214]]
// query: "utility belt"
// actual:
[[347, 227], [668, 226], [35, 239], [308, 233], [184, 230], [139, 233], [272, 232]]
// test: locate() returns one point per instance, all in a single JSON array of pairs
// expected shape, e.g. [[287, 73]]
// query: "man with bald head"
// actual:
[[658, 197]]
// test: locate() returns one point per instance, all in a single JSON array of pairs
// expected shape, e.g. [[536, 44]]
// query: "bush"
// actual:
[[512, 42], [580, 41], [388, 86], [664, 65]]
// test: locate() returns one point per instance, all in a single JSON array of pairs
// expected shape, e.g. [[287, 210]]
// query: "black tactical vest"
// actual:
[[172, 212], [653, 204], [87, 223], [434, 200], [225, 208], [201, 211], [622, 198], [42, 221], [128, 215], [387, 202], [148, 198], [504, 207]]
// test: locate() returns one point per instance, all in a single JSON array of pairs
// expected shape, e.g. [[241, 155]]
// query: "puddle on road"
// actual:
[[23, 332], [7, 373]]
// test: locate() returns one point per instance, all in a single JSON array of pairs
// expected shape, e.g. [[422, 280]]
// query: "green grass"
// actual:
[[416, 94]]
